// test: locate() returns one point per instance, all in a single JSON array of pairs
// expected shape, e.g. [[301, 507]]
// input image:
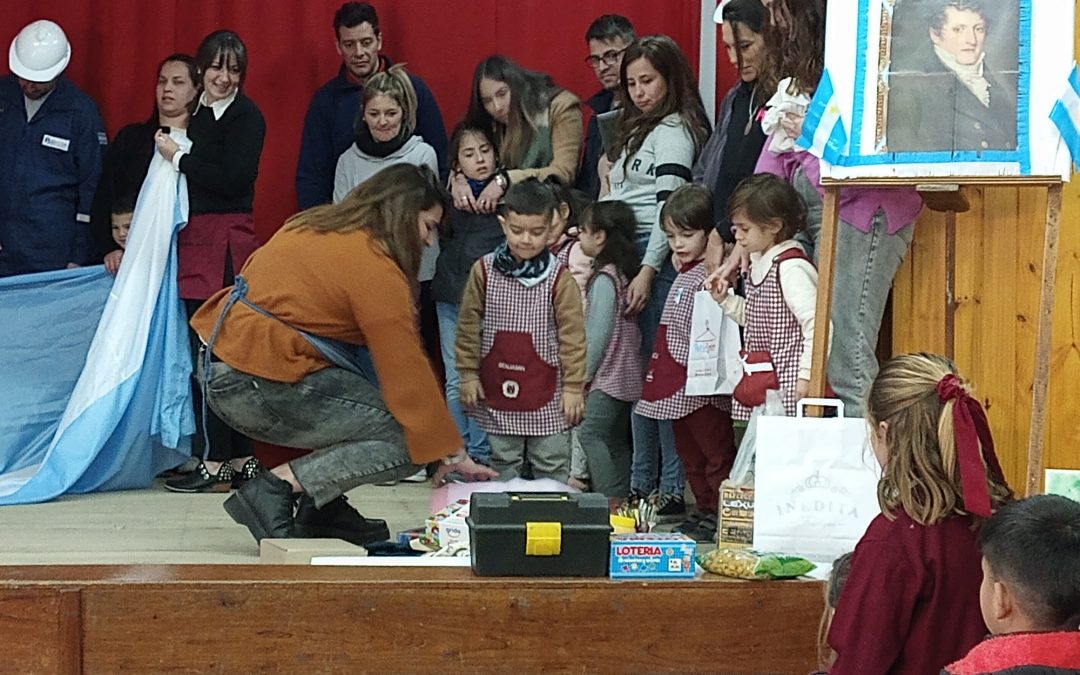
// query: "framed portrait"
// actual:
[[941, 88]]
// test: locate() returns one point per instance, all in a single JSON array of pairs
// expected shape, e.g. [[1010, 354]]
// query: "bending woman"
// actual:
[[536, 124], [227, 134], [303, 388]]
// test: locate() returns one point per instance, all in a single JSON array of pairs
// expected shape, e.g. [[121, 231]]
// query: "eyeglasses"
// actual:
[[608, 58]]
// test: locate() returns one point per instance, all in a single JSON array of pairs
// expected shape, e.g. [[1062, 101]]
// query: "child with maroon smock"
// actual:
[[521, 342], [911, 602], [704, 436]]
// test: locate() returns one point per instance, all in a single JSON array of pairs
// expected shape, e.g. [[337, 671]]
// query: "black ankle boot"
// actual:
[[264, 505], [337, 520]]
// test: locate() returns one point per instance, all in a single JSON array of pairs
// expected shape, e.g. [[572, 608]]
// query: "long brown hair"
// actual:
[[388, 205], [682, 97], [921, 475], [796, 50], [530, 99]]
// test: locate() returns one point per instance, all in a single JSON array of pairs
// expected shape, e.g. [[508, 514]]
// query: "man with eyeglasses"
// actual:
[[607, 38]]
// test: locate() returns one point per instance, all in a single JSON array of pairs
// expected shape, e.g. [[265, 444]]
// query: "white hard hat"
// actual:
[[39, 52]]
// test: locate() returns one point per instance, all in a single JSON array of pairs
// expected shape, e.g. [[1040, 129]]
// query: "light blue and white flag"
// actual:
[[96, 382], [1066, 115], [823, 133]]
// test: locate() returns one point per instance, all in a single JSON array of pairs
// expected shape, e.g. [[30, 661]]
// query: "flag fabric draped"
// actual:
[[97, 372], [1066, 115], [823, 132]]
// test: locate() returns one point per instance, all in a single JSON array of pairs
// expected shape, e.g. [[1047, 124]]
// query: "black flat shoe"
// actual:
[[201, 480], [264, 505], [251, 468], [337, 520]]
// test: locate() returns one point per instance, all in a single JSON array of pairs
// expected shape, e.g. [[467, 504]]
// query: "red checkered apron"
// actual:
[[664, 395], [520, 369], [772, 327], [619, 375]]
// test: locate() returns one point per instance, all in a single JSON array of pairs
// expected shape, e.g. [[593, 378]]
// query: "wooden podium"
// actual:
[[946, 195]]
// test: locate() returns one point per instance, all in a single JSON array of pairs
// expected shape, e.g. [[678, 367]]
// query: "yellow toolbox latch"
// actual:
[[543, 538]]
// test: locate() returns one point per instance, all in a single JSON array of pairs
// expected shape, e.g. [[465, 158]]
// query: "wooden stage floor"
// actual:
[[131, 610]]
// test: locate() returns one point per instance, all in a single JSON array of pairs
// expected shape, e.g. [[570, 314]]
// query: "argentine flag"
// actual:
[[823, 133], [96, 386], [1066, 115]]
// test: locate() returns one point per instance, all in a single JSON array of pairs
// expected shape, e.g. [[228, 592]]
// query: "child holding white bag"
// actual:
[[781, 294]]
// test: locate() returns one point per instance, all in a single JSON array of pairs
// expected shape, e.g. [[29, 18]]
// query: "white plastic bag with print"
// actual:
[[713, 365], [815, 483]]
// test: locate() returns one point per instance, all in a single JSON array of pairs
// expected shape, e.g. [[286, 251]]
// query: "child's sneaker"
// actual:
[[669, 507], [636, 497]]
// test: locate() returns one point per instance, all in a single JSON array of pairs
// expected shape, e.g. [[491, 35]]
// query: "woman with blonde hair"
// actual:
[[911, 601], [334, 279]]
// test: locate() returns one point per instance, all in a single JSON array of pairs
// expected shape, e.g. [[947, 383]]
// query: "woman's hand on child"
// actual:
[[462, 193], [166, 145], [802, 389], [471, 392], [489, 198], [112, 261], [637, 292], [573, 406], [738, 262]]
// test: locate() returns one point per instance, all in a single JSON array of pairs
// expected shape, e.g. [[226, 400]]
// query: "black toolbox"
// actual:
[[539, 534]]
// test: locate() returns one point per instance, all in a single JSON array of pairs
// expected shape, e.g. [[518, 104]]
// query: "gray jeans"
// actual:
[[866, 263], [605, 438], [338, 415], [549, 456]]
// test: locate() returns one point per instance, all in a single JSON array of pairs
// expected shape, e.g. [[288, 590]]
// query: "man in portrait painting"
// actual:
[[948, 97]]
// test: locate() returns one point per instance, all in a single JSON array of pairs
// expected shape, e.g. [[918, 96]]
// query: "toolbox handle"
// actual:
[[539, 497]]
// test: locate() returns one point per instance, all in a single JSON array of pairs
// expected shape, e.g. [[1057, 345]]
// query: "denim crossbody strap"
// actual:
[[352, 358]]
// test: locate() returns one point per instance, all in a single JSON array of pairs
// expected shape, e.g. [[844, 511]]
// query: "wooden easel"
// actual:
[[945, 195]]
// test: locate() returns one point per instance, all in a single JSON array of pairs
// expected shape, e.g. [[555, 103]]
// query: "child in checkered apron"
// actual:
[[614, 344], [781, 291], [704, 437], [566, 248], [521, 342]]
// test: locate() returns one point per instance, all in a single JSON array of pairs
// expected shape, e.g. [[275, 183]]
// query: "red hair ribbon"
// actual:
[[971, 429]]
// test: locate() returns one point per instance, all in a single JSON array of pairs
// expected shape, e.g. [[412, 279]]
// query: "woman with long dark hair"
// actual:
[[536, 124], [661, 131], [227, 132], [303, 387], [128, 158]]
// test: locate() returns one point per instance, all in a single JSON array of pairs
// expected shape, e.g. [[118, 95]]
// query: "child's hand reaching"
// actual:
[[472, 392], [717, 285], [802, 389], [573, 406]]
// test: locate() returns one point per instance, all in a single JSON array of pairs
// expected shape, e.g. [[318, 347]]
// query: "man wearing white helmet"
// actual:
[[52, 141]]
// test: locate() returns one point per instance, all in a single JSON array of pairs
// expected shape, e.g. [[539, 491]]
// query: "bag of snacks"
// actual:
[[742, 563]]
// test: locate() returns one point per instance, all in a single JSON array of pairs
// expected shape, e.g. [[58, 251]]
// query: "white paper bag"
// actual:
[[815, 482], [713, 366]]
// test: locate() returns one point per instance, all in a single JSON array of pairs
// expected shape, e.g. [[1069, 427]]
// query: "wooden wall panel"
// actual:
[[40, 631], [998, 277]]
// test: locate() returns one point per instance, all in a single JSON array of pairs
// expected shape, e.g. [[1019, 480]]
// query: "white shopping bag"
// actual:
[[713, 365], [816, 483]]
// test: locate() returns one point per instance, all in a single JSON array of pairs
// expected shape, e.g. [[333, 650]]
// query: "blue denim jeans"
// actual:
[[476, 442], [866, 263], [654, 441], [339, 415]]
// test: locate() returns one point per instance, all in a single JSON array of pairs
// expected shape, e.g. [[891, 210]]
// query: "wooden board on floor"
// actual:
[[242, 618]]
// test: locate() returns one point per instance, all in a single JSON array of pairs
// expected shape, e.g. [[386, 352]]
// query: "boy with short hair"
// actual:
[[120, 216], [1030, 595], [521, 342]]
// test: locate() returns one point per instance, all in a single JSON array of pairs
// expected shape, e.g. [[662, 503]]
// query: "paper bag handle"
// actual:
[[800, 406]]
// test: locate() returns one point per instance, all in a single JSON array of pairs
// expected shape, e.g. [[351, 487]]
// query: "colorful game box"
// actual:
[[652, 555]]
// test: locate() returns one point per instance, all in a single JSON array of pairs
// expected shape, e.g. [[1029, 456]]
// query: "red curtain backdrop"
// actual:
[[117, 44]]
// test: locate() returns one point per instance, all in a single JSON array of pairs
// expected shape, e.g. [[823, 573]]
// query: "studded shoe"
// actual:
[[251, 468], [201, 480]]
